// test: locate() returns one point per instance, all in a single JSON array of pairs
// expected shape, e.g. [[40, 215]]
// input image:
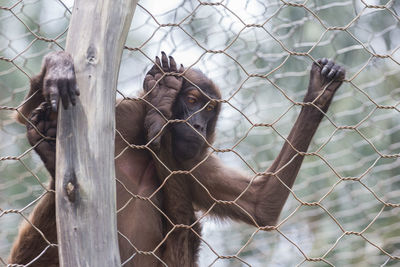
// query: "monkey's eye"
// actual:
[[210, 108], [191, 99]]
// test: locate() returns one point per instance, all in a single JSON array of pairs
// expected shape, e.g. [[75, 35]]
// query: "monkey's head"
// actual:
[[201, 110]]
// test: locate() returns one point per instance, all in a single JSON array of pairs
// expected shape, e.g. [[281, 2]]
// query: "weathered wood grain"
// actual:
[[85, 175]]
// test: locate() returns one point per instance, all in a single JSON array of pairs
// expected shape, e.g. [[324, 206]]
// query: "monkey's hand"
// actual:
[[59, 80], [325, 79], [162, 85], [41, 132]]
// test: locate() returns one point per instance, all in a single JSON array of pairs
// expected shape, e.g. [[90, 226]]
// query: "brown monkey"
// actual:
[[192, 101]]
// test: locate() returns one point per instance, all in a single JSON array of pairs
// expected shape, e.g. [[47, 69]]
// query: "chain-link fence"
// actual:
[[344, 207]]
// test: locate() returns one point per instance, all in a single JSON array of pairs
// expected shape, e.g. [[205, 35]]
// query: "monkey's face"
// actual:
[[189, 138]]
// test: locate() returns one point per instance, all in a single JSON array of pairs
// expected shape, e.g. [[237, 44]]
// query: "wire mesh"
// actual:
[[344, 207]]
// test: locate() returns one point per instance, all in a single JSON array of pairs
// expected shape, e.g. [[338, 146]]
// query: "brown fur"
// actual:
[[142, 222], [30, 242]]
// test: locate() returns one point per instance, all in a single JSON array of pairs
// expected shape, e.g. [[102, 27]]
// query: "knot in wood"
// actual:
[[91, 55], [69, 188], [71, 185]]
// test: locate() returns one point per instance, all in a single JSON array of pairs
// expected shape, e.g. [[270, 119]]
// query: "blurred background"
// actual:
[[259, 53]]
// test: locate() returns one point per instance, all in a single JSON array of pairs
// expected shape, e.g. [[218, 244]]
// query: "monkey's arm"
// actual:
[[55, 81], [37, 238], [139, 121], [260, 200], [161, 89]]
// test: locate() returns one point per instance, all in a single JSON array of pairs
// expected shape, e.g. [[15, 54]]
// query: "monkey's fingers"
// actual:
[[164, 60], [34, 136], [50, 122], [332, 71], [36, 125], [181, 69], [154, 124], [340, 74], [51, 130], [63, 91], [53, 96], [55, 90], [59, 83], [73, 90], [156, 67], [322, 61], [172, 64], [35, 117], [327, 68], [41, 135], [158, 64]]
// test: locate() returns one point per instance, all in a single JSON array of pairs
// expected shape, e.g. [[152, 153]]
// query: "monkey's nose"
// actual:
[[198, 127]]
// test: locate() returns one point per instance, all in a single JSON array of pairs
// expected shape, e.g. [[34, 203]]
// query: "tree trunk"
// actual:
[[85, 174]]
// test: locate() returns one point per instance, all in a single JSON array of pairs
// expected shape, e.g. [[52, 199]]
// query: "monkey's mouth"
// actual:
[[187, 147], [194, 142]]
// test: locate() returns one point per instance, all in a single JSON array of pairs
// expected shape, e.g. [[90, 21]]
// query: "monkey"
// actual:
[[165, 168]]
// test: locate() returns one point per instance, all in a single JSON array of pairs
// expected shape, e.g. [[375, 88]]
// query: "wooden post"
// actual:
[[85, 174]]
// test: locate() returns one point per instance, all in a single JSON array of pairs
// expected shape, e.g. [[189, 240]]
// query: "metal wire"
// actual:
[[344, 207]]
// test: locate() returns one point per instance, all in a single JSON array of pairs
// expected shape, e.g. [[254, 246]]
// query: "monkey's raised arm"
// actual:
[[161, 89], [265, 196]]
